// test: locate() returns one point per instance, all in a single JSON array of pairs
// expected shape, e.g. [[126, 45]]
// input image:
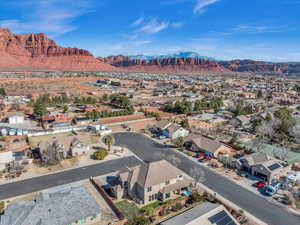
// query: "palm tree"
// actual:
[[109, 141]]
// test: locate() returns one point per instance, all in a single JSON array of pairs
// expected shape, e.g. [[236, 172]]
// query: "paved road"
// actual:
[[148, 150], [43, 182]]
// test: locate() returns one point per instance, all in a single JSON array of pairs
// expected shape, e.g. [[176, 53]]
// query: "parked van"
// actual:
[[272, 188]]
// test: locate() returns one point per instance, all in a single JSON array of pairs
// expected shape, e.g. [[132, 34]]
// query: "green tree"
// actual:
[[101, 154], [259, 94], [180, 142], [66, 109], [183, 107], [104, 98], [185, 123], [287, 121], [39, 110], [269, 117], [109, 141], [2, 92], [195, 197], [2, 207]]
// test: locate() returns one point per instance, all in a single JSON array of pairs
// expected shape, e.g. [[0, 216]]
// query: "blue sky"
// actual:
[[224, 29]]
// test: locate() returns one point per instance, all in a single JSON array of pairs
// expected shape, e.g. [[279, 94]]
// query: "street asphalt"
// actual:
[[149, 150], [68, 176]]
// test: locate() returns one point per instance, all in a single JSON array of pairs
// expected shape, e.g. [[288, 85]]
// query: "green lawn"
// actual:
[[153, 205], [129, 209]]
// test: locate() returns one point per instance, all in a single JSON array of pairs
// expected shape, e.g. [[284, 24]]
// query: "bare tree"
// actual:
[[295, 132], [281, 153], [265, 133], [198, 175]]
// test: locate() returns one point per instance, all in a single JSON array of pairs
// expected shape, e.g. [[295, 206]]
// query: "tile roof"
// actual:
[[147, 175], [207, 144]]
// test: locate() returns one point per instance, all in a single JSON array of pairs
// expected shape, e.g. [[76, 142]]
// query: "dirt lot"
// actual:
[[35, 86], [135, 126], [119, 119]]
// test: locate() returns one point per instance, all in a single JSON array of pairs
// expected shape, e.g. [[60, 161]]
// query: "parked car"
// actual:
[[239, 155], [207, 158], [261, 184], [272, 188], [199, 155]]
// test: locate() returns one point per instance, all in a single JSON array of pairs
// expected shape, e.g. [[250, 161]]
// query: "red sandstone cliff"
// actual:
[[190, 65], [37, 51], [201, 65]]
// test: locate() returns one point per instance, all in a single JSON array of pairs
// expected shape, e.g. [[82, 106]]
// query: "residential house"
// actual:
[[13, 150], [63, 147], [16, 118], [170, 130], [263, 166], [240, 121], [151, 182], [210, 147], [205, 214], [175, 131], [78, 147], [62, 205], [162, 125]]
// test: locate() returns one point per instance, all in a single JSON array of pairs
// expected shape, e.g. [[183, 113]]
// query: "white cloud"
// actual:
[[201, 4], [250, 29], [137, 22], [177, 24], [53, 17], [154, 26]]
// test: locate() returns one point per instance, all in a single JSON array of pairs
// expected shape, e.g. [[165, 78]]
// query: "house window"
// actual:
[[153, 197], [180, 176], [168, 195], [167, 182], [149, 189]]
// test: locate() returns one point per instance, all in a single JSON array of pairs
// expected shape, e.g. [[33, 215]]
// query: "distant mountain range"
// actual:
[[32, 52], [177, 55]]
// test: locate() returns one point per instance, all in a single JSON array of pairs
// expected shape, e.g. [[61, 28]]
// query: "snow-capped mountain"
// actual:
[[188, 54]]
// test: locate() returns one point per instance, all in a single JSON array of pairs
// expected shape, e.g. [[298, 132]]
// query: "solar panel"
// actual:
[[217, 217], [221, 218], [243, 160], [274, 166], [284, 164]]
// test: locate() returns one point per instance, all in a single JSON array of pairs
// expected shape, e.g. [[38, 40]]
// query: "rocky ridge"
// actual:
[[36, 51]]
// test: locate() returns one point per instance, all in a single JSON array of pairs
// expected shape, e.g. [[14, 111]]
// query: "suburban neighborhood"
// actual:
[[144, 151]]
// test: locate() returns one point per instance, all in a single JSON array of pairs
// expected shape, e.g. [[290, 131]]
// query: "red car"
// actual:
[[261, 184], [199, 155], [207, 158]]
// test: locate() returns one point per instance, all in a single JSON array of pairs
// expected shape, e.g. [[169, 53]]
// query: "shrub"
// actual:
[[195, 197], [138, 220], [101, 154], [177, 207], [2, 206]]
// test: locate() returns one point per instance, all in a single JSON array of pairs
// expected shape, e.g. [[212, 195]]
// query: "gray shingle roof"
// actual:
[[61, 205], [192, 214]]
